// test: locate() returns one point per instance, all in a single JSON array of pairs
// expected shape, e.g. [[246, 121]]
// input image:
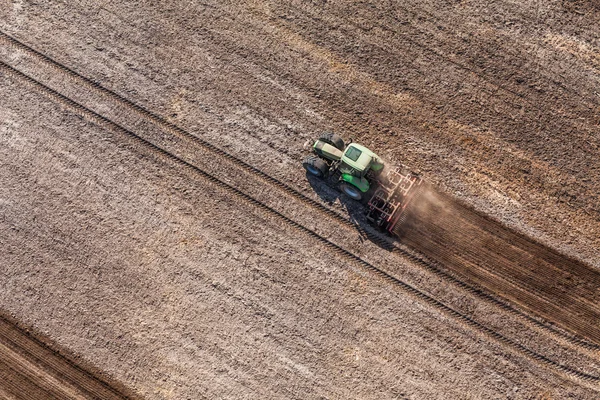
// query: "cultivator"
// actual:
[[394, 192]]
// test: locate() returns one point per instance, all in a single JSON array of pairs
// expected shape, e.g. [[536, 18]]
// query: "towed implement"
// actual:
[[361, 174]]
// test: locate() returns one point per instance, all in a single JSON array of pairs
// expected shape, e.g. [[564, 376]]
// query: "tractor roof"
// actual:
[[357, 156]]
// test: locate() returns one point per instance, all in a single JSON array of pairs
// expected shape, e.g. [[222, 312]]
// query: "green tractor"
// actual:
[[355, 166]]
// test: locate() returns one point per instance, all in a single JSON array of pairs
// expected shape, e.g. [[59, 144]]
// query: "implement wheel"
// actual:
[[351, 191], [333, 139], [315, 166]]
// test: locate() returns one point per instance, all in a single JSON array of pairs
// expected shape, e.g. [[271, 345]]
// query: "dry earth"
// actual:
[[179, 288]]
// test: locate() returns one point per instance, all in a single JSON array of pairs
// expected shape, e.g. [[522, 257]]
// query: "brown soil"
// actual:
[[560, 289], [185, 274], [32, 368]]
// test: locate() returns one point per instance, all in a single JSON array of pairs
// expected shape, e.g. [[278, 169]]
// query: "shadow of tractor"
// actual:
[[328, 192]]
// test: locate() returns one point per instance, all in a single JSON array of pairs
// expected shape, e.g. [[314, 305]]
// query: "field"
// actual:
[[161, 240]]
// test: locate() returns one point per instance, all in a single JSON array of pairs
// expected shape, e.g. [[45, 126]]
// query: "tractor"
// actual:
[[357, 170], [356, 165]]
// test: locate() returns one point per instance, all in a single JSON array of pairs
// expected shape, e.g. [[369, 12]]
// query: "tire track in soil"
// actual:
[[559, 289], [270, 212], [414, 255], [32, 369]]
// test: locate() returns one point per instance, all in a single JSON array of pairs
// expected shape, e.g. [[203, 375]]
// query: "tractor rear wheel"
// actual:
[[333, 139], [351, 191], [315, 166]]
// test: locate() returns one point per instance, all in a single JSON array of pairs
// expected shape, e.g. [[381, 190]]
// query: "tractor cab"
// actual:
[[355, 164], [357, 160]]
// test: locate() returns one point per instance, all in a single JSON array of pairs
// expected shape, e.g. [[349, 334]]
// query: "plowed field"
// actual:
[[157, 226], [558, 288]]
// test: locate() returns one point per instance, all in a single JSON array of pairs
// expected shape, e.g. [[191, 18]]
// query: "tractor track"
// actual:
[[30, 368], [270, 212], [548, 255], [413, 254]]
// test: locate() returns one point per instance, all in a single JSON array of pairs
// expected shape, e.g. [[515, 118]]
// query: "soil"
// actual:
[[161, 272], [558, 288], [30, 369]]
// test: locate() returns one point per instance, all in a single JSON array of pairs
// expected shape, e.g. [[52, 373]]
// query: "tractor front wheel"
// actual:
[[315, 166], [351, 191]]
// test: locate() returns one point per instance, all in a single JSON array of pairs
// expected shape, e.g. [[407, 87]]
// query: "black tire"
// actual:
[[333, 139], [351, 191], [315, 166]]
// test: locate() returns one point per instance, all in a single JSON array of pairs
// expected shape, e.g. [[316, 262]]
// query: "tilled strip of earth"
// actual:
[[31, 368], [410, 289], [556, 287]]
